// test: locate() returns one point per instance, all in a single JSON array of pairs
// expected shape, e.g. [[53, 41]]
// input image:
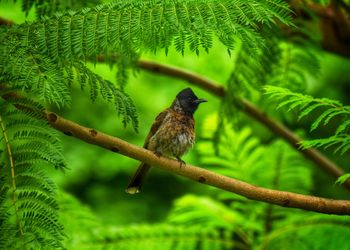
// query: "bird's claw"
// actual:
[[182, 162], [158, 154]]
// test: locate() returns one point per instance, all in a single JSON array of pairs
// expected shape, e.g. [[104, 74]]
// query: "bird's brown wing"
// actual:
[[137, 179], [155, 126]]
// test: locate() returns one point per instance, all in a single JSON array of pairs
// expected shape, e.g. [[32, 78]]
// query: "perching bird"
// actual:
[[172, 134]]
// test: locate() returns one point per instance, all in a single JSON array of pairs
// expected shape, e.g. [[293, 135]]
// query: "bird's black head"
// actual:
[[188, 101]]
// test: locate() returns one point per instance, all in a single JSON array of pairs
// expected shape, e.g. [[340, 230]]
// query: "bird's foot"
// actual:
[[157, 153], [182, 162]]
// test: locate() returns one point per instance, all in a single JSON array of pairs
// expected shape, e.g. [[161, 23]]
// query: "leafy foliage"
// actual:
[[275, 63], [294, 64], [331, 109], [43, 53], [158, 23], [49, 80], [48, 8], [46, 57], [94, 235], [199, 222], [255, 225], [43, 59], [27, 196], [241, 155], [343, 178], [306, 236], [198, 211], [126, 26], [108, 91], [169, 237]]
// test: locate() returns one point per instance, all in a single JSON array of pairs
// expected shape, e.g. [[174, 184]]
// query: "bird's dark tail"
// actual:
[[136, 181]]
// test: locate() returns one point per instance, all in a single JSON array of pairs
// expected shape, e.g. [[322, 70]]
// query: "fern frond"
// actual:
[[87, 231], [165, 237], [53, 86], [249, 71], [276, 63], [330, 109], [260, 226], [44, 138], [7, 230], [165, 21], [109, 92], [191, 210], [37, 56], [24, 105], [30, 194], [236, 151], [340, 142], [318, 235], [27, 179], [242, 156], [27, 70], [49, 7]]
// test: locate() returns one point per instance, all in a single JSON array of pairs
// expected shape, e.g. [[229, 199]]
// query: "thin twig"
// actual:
[[13, 176]]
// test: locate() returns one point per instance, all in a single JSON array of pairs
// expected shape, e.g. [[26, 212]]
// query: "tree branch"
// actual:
[[281, 198], [6, 22], [251, 110], [334, 22]]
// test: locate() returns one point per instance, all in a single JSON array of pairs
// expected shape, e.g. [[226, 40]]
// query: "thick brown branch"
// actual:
[[251, 110], [6, 22], [188, 76], [334, 21], [281, 198]]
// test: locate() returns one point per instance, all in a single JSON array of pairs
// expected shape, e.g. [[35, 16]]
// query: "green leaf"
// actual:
[[29, 200], [322, 117], [309, 109], [342, 127], [342, 179]]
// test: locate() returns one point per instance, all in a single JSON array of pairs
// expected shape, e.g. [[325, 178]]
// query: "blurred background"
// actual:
[[91, 192]]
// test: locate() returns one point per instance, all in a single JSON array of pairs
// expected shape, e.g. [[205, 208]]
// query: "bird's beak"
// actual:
[[198, 101]]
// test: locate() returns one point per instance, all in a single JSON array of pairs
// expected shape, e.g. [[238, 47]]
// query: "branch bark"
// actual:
[[251, 110], [6, 22], [281, 198]]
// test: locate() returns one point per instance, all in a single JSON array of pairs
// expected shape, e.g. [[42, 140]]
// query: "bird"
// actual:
[[172, 134]]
